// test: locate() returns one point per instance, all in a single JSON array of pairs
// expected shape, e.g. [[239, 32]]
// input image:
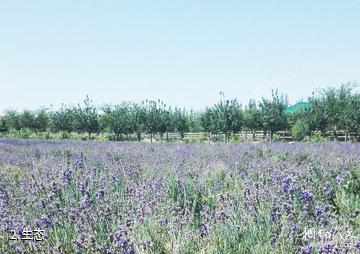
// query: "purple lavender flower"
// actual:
[[307, 196], [19, 230], [67, 177], [100, 193], [37, 223], [357, 244], [86, 201], [285, 183], [222, 215], [306, 249], [120, 239], [274, 239], [82, 185], [275, 214], [18, 249], [164, 221], [204, 230], [318, 211], [339, 180], [79, 243], [4, 200], [293, 230], [327, 208], [326, 248], [46, 219]]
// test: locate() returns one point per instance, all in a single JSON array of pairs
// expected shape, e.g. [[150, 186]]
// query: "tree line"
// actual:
[[330, 109]]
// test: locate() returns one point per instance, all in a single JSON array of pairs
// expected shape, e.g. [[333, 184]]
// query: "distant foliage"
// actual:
[[62, 120], [330, 110], [180, 121], [86, 118], [273, 114], [300, 130], [119, 119]]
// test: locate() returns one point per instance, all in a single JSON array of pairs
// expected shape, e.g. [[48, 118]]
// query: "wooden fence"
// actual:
[[256, 136]]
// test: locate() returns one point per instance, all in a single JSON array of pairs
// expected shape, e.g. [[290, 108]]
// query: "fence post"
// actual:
[[345, 136]]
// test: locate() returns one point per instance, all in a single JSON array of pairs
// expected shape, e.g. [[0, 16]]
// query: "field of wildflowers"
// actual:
[[107, 197]]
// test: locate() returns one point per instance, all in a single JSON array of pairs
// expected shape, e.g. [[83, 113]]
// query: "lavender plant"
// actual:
[[113, 197]]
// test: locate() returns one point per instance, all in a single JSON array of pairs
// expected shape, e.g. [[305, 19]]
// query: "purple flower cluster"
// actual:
[[114, 197]]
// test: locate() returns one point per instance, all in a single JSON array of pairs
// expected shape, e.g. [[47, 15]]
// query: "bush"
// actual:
[[299, 130], [23, 133], [316, 137], [193, 140], [107, 137], [276, 137]]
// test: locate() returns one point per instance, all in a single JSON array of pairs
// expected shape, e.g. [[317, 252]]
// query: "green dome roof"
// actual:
[[296, 107]]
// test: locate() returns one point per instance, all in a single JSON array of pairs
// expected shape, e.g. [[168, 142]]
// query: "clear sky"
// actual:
[[182, 51]]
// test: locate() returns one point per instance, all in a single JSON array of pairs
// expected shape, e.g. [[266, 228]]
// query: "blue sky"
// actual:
[[183, 52]]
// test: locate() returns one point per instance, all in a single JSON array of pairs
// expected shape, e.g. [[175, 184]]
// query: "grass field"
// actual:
[[117, 197]]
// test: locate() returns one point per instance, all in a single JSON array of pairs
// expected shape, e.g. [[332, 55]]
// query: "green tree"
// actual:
[[86, 118], [327, 109], [181, 123], [316, 114], [11, 120], [2, 124], [252, 118], [194, 119], [118, 119], [27, 119], [165, 117], [153, 117], [273, 114], [139, 119], [208, 121], [351, 114], [62, 119], [226, 116], [41, 120]]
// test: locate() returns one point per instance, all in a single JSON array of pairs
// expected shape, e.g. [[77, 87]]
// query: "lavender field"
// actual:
[[113, 197]]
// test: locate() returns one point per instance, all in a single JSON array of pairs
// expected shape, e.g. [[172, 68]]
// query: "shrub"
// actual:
[[316, 137], [276, 137], [299, 130], [197, 139], [23, 133]]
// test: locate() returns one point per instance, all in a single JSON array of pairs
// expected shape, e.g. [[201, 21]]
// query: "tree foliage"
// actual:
[[86, 118], [272, 112], [330, 109], [119, 119]]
